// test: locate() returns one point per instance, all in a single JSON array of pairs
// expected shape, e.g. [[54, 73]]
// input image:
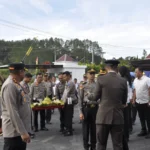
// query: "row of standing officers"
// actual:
[[110, 89]]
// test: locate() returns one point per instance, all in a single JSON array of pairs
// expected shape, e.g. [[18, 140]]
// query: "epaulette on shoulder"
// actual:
[[83, 82], [82, 85]]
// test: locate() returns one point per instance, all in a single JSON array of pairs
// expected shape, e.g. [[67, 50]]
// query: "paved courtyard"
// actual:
[[53, 140]]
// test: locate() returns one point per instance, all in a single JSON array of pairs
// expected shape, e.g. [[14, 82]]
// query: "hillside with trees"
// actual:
[[51, 49]]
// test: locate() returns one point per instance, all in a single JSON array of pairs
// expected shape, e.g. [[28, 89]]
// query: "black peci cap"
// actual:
[[16, 66], [112, 62]]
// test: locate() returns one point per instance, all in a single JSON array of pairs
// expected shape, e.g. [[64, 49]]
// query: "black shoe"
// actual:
[[87, 147], [92, 147], [148, 136], [130, 131], [68, 134], [32, 128], [65, 131], [44, 129], [142, 133], [36, 130], [32, 135], [48, 122], [61, 130]]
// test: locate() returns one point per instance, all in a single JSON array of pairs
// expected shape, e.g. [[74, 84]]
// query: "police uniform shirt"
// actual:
[[60, 87], [86, 92], [38, 91], [49, 87], [69, 91], [15, 109], [25, 86]]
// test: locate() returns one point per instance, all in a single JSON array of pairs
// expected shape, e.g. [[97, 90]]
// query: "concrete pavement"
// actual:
[[53, 140]]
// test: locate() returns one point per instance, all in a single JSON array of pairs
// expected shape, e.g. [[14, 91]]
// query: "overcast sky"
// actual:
[[113, 23]]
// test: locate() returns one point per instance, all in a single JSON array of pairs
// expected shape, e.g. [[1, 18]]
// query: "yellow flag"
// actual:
[[29, 51]]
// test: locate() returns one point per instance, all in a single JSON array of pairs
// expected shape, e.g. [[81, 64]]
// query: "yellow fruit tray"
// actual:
[[47, 107]]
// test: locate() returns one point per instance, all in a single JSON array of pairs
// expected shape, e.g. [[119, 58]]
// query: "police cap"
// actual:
[[16, 66], [102, 72], [45, 74], [91, 71]]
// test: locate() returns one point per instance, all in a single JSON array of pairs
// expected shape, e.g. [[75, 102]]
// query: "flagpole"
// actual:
[[28, 51], [26, 54]]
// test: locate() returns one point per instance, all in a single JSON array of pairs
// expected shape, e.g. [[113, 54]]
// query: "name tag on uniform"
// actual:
[[69, 101]]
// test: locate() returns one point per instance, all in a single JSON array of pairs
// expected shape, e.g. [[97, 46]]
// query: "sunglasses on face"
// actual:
[[92, 73]]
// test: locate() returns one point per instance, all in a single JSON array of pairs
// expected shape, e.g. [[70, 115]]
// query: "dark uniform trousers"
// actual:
[[126, 128], [129, 107], [103, 131], [42, 118], [68, 116], [134, 113], [89, 126], [62, 119], [48, 114], [14, 143], [144, 115]]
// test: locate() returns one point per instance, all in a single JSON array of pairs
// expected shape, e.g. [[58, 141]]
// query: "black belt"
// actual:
[[89, 105]]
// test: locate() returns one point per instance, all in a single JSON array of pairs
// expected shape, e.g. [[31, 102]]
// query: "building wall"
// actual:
[[76, 73], [73, 67]]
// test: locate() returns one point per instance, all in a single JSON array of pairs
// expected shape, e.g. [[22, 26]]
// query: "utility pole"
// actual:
[[93, 56], [55, 55]]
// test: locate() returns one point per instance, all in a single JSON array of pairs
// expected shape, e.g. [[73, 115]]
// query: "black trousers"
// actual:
[[14, 143], [42, 118], [134, 113], [126, 122], [103, 130], [130, 116], [62, 118], [68, 116], [48, 115], [144, 115], [126, 128], [89, 127]]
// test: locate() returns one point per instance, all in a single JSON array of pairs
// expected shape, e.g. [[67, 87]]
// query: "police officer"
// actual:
[[60, 87], [111, 89], [88, 111], [25, 85], [84, 78], [48, 86], [15, 110], [38, 93], [70, 99]]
